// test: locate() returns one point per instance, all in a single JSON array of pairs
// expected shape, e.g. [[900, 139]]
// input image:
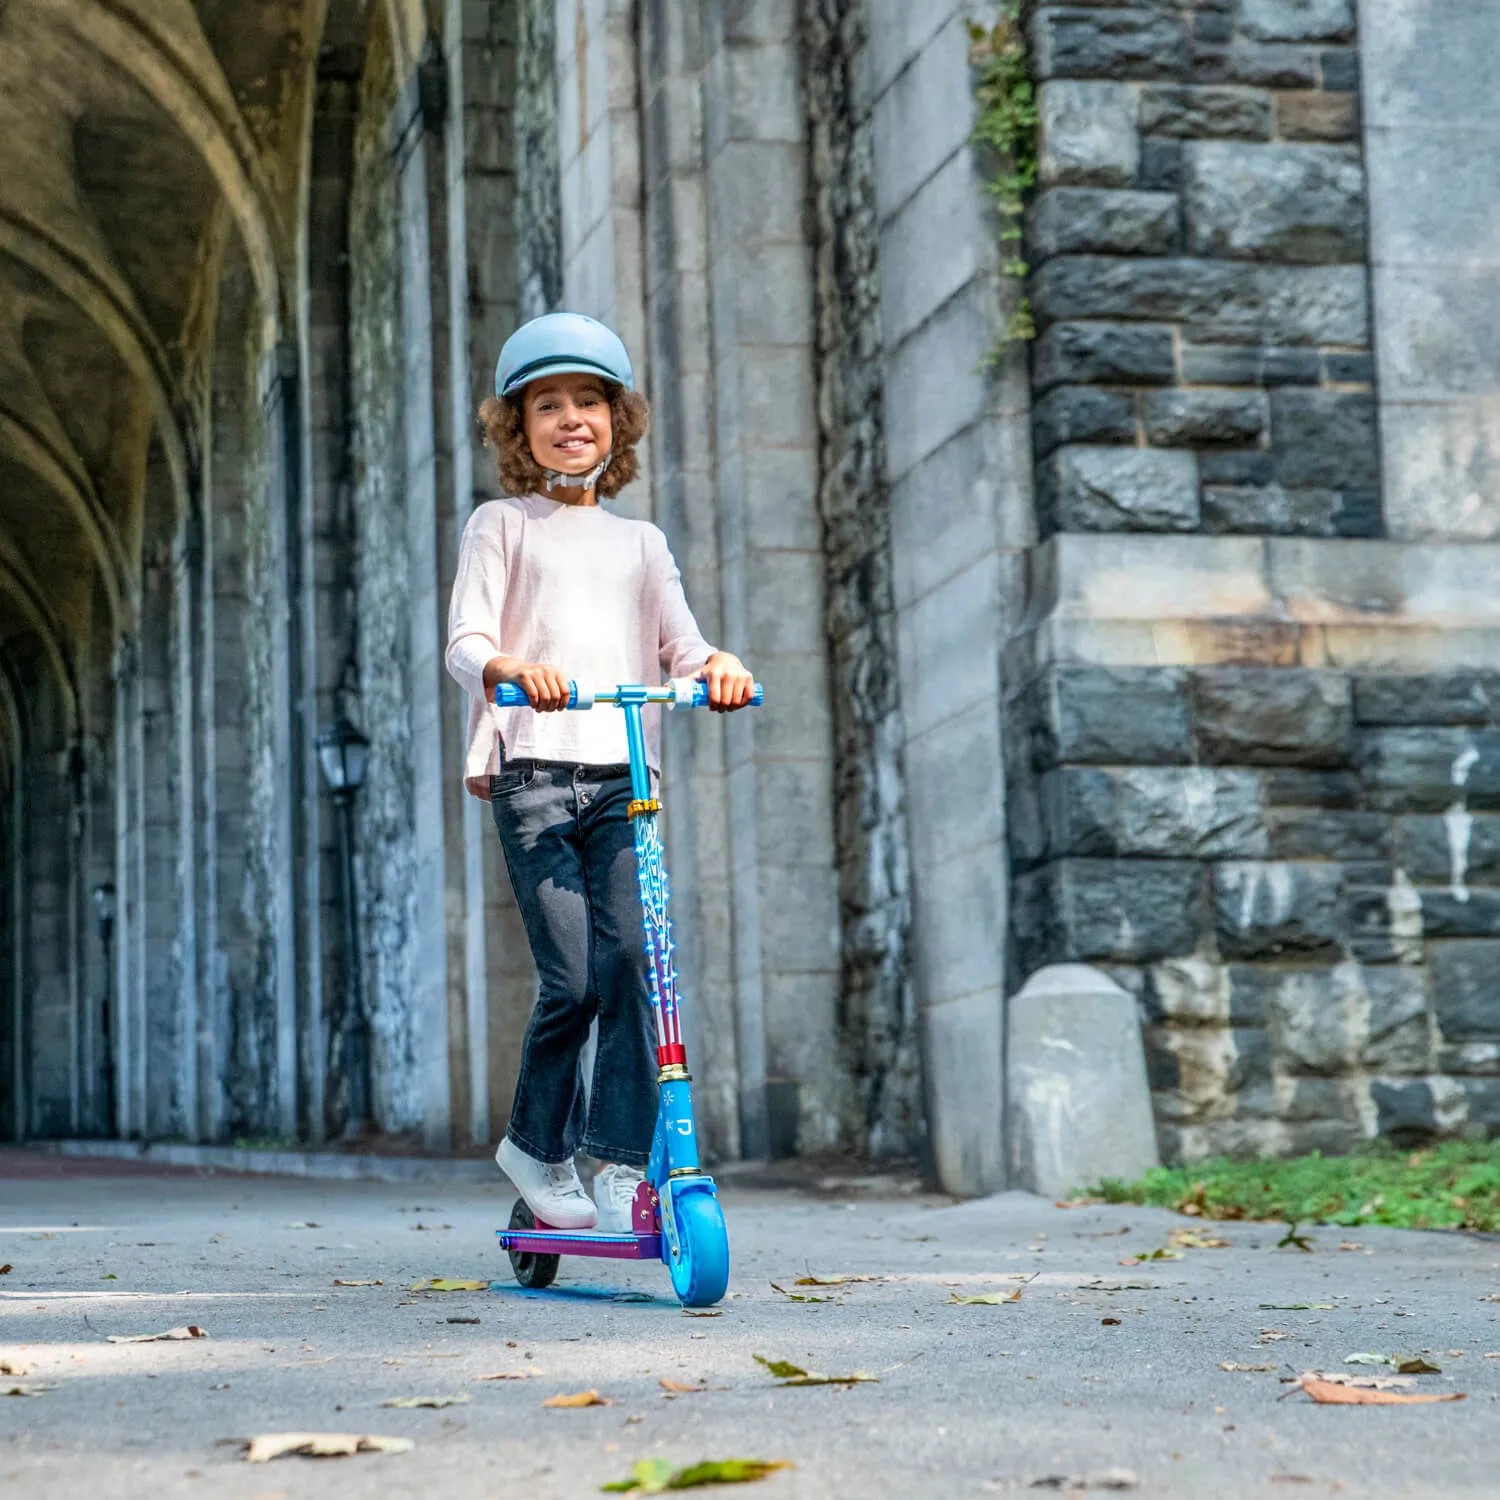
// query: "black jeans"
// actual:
[[571, 855]]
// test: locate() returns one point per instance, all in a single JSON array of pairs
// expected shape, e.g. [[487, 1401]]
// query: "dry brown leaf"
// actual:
[[1234, 1365], [1350, 1245], [1361, 1382], [448, 1284], [337, 1282], [679, 1387], [188, 1331], [263, 1449], [410, 1402], [1328, 1393], [6, 1269], [1193, 1239], [582, 1398], [830, 1280], [506, 1375]]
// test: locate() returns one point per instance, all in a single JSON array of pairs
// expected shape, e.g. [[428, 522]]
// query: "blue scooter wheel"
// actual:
[[700, 1274]]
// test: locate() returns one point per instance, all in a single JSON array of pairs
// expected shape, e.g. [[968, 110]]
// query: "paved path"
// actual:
[[972, 1400]]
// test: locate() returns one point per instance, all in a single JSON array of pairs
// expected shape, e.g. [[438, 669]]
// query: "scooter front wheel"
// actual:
[[533, 1271], [700, 1271]]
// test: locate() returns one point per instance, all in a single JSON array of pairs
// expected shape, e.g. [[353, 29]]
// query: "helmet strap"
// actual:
[[587, 481]]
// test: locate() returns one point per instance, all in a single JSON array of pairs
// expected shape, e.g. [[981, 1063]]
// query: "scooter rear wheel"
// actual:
[[533, 1271], [700, 1273]]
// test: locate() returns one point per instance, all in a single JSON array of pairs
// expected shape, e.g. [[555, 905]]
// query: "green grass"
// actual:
[[1452, 1186]]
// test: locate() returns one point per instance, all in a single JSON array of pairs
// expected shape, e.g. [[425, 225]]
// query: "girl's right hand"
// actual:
[[545, 686]]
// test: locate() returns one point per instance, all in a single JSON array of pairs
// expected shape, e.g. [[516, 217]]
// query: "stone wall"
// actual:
[[1277, 834], [1198, 242]]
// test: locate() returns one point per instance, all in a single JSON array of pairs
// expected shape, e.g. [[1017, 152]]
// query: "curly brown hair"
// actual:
[[503, 419]]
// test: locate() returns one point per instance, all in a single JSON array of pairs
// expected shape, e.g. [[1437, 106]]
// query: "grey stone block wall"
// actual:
[[1198, 248], [1297, 872]]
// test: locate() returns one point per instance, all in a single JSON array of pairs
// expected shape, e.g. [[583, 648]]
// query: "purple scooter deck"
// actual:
[[644, 1243], [541, 1241]]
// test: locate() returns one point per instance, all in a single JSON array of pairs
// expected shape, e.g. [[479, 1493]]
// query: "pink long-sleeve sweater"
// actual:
[[578, 588]]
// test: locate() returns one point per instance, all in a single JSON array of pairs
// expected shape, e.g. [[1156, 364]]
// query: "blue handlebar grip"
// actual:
[[700, 695], [508, 695]]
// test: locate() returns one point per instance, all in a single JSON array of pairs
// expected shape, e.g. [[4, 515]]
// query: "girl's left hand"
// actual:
[[730, 684]]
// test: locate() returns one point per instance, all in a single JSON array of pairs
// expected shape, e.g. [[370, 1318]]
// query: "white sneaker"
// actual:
[[614, 1193], [551, 1189]]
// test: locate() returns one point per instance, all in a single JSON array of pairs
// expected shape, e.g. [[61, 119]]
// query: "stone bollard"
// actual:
[[1079, 1104]]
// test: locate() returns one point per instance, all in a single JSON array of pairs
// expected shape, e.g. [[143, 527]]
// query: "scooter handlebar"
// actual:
[[684, 693]]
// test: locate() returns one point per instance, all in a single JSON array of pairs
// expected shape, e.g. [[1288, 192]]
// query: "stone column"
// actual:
[[440, 968], [279, 409], [782, 858], [879, 1036], [1428, 125], [958, 467]]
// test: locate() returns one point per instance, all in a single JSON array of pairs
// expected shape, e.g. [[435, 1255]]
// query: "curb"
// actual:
[[329, 1166]]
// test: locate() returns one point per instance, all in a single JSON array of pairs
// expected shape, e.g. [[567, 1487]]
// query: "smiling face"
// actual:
[[568, 423]]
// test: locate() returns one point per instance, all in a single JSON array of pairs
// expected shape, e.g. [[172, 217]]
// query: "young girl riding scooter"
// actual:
[[551, 587]]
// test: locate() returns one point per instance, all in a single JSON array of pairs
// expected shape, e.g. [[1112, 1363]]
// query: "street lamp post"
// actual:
[[104, 911], [343, 752]]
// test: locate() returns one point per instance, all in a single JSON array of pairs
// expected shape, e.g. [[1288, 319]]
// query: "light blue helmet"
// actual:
[[561, 343]]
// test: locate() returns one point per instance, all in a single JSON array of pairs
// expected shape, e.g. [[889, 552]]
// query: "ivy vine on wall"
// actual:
[[1005, 132]]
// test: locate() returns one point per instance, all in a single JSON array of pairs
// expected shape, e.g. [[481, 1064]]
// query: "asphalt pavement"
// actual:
[[1100, 1374]]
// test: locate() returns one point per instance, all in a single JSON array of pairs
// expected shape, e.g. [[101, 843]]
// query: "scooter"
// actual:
[[676, 1217]]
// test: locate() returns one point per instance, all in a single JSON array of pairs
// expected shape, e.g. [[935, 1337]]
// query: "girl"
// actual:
[[550, 586]]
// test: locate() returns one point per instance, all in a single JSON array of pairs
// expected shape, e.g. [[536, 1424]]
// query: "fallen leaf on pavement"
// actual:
[[1296, 1307], [448, 1284], [799, 1296], [337, 1282], [13, 1367], [188, 1331], [1234, 1365], [432, 1226], [1327, 1393], [830, 1280], [415, 1401], [506, 1375], [1110, 1322], [1413, 1364], [653, 1476], [1145, 1255], [680, 1388], [1491, 1297], [1193, 1239], [703, 1312], [1367, 1359], [6, 1269], [260, 1450], [986, 1299], [300, 1225], [583, 1398], [1271, 1335], [1350, 1245], [25, 1390], [790, 1374]]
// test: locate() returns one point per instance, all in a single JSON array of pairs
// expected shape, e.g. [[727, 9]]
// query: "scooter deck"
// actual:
[[543, 1241]]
